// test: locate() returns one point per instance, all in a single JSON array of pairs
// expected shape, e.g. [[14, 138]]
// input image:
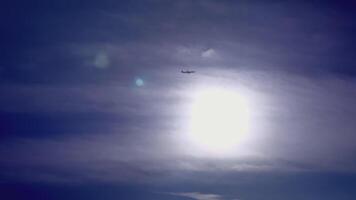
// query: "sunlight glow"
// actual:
[[219, 119]]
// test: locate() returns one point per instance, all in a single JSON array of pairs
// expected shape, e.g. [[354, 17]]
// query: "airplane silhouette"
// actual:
[[187, 71]]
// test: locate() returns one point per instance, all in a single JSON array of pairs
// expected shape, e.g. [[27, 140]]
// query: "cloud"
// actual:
[[101, 60], [288, 113], [209, 53], [199, 196]]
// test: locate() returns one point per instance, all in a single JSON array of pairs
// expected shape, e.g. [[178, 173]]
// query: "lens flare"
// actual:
[[139, 82]]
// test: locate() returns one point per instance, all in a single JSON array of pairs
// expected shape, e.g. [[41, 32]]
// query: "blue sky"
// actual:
[[93, 104]]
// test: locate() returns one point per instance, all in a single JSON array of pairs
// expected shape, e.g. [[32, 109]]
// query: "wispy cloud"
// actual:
[[199, 196], [209, 53]]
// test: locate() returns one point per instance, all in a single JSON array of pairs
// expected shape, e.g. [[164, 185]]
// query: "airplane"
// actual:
[[187, 71]]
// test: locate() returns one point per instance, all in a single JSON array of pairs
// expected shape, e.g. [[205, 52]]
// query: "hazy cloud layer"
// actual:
[[287, 115]]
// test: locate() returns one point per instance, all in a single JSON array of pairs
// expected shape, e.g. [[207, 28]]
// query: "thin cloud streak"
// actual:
[[199, 196]]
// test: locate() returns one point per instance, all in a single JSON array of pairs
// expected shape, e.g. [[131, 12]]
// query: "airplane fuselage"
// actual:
[[187, 72]]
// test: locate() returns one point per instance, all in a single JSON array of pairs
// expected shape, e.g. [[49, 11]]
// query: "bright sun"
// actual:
[[219, 119]]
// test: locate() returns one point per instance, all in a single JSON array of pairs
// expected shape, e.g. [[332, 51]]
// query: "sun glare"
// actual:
[[219, 119]]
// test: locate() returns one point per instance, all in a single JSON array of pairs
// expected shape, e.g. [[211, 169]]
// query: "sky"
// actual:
[[93, 104]]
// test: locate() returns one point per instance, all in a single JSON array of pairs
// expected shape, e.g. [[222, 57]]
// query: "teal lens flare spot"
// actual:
[[139, 82]]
